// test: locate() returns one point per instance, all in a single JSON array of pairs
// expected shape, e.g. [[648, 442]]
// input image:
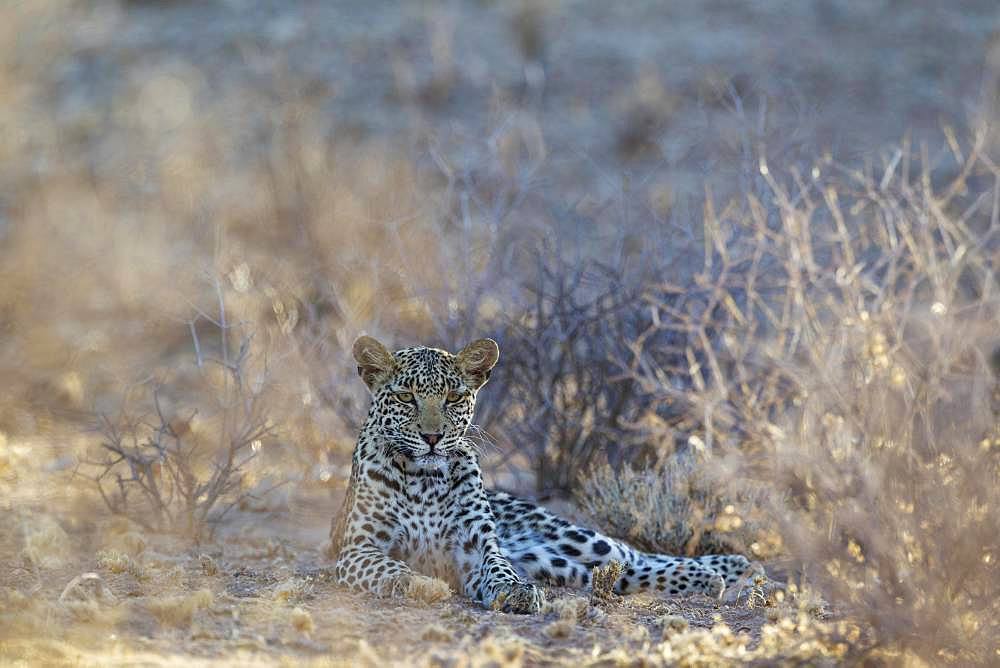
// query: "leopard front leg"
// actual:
[[361, 540], [490, 579], [366, 568], [486, 575]]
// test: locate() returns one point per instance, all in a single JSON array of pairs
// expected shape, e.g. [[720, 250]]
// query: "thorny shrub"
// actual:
[[182, 465], [843, 357]]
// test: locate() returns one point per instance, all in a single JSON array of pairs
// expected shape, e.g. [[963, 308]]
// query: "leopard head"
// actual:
[[423, 398]]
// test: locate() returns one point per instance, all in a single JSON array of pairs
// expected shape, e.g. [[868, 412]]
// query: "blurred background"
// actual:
[[342, 168], [672, 217]]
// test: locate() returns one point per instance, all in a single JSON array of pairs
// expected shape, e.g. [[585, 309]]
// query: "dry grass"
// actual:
[[603, 579], [679, 506], [179, 610], [673, 625], [569, 611], [301, 620], [293, 590], [118, 562], [46, 544], [436, 633], [208, 565], [427, 590]]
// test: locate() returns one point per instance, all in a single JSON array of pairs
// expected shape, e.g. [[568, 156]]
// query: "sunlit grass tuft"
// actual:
[[179, 610]]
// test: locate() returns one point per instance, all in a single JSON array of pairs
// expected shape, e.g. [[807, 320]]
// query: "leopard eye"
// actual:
[[405, 397], [454, 397]]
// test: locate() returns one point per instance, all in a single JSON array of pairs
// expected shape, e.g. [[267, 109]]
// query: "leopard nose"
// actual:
[[431, 439]]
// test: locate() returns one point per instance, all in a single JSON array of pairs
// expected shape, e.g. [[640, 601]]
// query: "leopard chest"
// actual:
[[426, 529]]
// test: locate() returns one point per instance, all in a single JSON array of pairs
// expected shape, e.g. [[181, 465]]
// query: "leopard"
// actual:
[[416, 504]]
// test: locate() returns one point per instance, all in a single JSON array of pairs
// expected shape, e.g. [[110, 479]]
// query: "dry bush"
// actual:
[[178, 468], [678, 506], [841, 354], [562, 406], [123, 538], [895, 489]]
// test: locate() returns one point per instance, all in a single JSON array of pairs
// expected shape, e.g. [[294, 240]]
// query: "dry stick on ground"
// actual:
[[150, 471]]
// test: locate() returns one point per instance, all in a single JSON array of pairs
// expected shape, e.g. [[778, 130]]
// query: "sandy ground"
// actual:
[[260, 593]]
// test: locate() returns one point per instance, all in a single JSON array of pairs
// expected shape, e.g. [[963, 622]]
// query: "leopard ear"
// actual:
[[477, 359], [375, 363]]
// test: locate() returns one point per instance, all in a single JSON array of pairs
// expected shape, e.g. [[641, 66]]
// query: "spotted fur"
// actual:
[[416, 501]]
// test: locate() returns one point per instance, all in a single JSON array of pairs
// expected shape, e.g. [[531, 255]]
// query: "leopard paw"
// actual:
[[397, 586], [715, 586], [520, 599]]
